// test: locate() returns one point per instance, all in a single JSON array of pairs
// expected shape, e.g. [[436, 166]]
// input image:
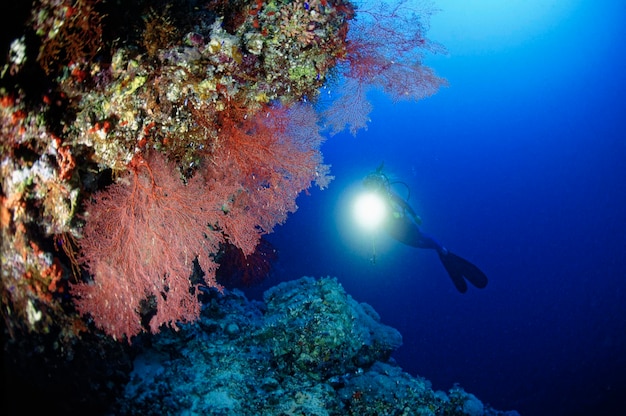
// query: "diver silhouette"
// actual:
[[403, 224]]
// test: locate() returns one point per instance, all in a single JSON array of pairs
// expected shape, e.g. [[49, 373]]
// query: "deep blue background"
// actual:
[[518, 165]]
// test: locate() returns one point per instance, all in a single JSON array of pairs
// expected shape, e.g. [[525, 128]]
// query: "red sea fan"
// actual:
[[144, 232], [350, 110], [275, 155], [141, 237], [384, 50]]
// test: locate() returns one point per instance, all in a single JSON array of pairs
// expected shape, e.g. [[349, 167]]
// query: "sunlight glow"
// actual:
[[489, 25]]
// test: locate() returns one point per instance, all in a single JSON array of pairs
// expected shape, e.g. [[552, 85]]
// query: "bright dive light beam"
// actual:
[[369, 210]]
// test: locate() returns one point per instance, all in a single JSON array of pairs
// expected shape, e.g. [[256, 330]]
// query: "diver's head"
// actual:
[[376, 181]]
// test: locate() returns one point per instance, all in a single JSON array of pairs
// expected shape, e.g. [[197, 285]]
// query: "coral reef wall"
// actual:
[[139, 138]]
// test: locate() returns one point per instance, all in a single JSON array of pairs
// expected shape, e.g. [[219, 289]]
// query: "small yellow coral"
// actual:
[[206, 88], [262, 98], [214, 46]]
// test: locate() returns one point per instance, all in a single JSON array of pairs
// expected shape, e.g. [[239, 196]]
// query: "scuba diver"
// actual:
[[402, 223]]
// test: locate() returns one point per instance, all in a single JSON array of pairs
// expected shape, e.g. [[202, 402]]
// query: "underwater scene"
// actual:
[[313, 207]]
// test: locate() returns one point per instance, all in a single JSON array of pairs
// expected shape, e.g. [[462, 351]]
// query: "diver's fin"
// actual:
[[458, 268]]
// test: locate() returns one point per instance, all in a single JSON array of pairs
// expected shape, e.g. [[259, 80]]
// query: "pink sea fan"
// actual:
[[140, 240]]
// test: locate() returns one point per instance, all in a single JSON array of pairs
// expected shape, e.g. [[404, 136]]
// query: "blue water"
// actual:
[[519, 166]]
